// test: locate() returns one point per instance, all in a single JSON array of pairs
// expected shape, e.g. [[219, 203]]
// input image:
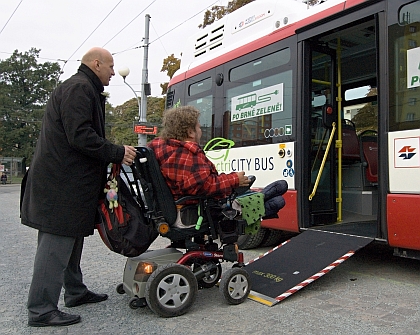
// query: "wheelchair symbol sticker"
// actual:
[[289, 171]]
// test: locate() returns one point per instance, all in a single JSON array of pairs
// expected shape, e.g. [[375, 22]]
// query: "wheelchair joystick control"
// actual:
[[242, 189]]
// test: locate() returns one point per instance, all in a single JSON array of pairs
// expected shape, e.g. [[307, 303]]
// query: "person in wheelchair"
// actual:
[[188, 171]]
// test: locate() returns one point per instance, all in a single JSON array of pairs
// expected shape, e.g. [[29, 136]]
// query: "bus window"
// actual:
[[268, 62], [259, 111], [356, 93], [204, 105], [199, 87], [410, 13], [404, 53]]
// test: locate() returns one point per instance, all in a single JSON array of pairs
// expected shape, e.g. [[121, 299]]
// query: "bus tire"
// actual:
[[251, 241], [271, 237]]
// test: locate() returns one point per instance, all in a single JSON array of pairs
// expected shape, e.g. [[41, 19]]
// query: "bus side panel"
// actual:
[[351, 3], [288, 218], [403, 220]]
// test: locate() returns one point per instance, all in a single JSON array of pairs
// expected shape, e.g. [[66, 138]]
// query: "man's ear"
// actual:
[[96, 64]]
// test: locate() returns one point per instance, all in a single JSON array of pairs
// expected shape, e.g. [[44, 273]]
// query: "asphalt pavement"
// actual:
[[371, 293]]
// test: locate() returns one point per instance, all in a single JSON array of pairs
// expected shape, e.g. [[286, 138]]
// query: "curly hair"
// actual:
[[178, 121]]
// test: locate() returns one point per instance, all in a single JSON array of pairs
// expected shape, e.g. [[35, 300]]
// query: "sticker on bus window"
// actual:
[[413, 68], [266, 101]]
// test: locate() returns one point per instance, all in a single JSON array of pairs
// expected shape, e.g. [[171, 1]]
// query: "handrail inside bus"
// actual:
[[321, 169]]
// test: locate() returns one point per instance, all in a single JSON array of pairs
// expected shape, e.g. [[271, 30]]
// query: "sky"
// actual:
[[65, 29]]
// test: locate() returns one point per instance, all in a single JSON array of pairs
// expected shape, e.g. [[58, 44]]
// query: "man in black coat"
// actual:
[[64, 182]]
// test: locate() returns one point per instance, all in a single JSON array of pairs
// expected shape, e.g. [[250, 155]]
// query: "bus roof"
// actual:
[[249, 28]]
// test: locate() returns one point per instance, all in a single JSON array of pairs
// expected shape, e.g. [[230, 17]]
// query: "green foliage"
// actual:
[[120, 120], [25, 86], [217, 12], [170, 65]]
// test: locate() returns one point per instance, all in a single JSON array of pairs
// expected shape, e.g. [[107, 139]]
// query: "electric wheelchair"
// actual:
[[167, 280]]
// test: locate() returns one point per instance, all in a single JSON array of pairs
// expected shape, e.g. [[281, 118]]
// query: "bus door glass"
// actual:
[[322, 197]]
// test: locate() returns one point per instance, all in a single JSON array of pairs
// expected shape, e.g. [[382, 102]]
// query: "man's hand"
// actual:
[[129, 155], [243, 180]]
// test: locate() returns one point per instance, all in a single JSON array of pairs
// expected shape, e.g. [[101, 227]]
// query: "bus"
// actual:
[[334, 112]]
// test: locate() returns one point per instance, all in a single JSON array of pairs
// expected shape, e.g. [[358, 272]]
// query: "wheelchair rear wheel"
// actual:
[[235, 285], [171, 290]]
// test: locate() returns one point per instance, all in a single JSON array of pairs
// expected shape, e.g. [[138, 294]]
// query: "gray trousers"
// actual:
[[57, 265]]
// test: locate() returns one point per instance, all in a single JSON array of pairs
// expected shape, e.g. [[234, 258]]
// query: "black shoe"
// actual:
[[88, 298], [54, 318]]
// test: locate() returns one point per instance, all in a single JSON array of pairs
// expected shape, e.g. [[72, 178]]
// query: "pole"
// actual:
[[144, 81]]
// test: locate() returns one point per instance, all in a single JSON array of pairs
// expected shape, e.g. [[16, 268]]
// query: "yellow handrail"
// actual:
[[318, 177]]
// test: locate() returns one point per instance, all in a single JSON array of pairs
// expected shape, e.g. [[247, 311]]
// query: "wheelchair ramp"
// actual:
[[298, 262]]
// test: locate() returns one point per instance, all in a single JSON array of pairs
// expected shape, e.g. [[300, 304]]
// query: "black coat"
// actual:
[[68, 170]]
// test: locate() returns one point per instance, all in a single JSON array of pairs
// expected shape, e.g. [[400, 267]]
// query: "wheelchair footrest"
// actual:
[[230, 253], [229, 230]]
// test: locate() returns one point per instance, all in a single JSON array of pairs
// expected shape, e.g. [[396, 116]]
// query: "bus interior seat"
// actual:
[[350, 143], [369, 147]]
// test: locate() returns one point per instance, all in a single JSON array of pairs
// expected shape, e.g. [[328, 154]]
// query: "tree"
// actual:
[[120, 120], [314, 2], [170, 65], [217, 12], [367, 117], [25, 86]]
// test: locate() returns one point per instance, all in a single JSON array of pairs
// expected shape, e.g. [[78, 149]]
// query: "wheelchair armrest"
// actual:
[[182, 200]]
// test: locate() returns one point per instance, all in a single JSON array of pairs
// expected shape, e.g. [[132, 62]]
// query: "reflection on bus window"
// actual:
[[357, 93], [318, 100], [199, 87], [410, 13], [204, 105]]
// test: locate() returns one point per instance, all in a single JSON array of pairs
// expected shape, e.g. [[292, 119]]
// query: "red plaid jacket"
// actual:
[[188, 171]]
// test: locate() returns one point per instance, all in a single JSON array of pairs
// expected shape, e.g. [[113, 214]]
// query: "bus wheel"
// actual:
[[283, 236], [271, 237], [251, 241]]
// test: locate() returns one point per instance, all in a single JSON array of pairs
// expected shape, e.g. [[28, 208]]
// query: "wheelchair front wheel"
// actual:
[[235, 285], [171, 290], [120, 288]]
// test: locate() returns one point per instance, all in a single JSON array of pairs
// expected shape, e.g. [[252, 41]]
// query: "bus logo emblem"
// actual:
[[407, 152]]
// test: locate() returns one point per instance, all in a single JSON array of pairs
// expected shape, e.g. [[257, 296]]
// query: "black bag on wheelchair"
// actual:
[[124, 229]]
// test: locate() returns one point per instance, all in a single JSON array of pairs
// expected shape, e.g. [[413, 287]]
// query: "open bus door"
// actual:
[[340, 185]]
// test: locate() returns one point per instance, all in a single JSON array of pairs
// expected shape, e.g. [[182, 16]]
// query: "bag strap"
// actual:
[[116, 169]]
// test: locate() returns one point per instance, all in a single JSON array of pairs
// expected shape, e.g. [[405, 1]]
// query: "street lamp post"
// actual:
[[142, 138]]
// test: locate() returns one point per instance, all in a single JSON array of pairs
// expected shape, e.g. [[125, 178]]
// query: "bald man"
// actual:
[[63, 185]]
